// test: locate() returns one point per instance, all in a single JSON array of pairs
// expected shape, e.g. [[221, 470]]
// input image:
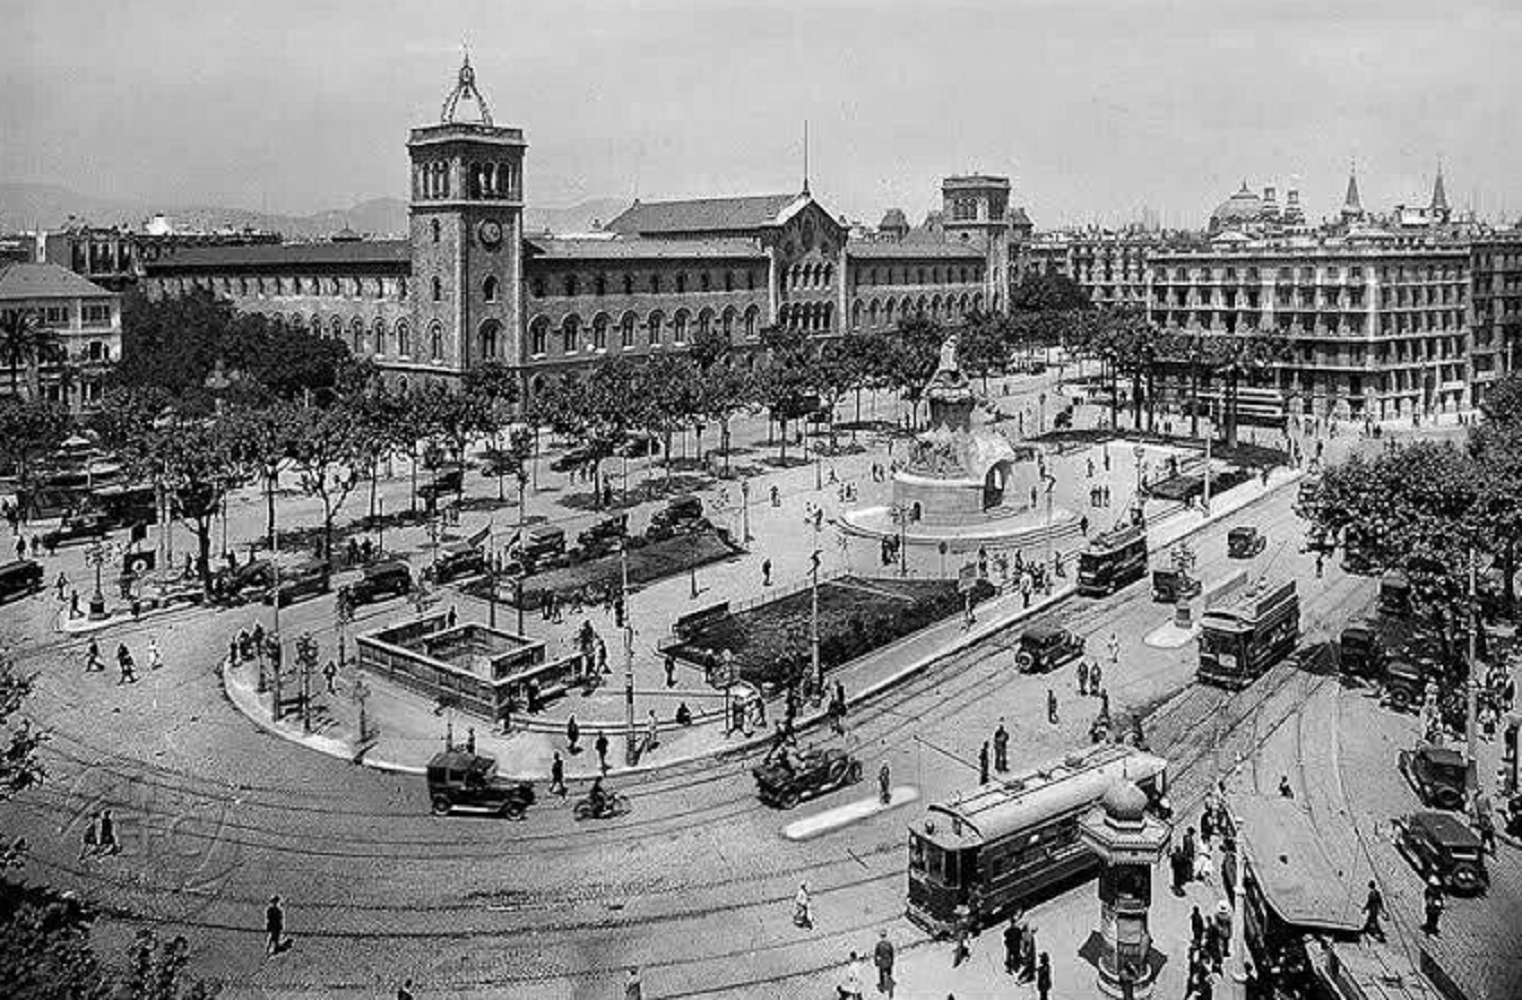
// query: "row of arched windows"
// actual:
[[918, 275], [374, 339], [492, 179], [812, 316], [572, 335], [351, 286], [430, 180], [810, 275], [873, 314], [543, 286]]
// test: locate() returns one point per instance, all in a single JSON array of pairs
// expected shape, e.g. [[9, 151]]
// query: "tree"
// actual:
[[195, 461], [326, 449], [668, 389], [785, 386], [499, 386], [262, 438], [24, 343], [598, 411], [984, 345], [910, 359], [726, 391], [1048, 293], [29, 430]]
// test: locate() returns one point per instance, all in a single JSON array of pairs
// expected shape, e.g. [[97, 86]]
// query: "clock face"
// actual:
[[491, 233]]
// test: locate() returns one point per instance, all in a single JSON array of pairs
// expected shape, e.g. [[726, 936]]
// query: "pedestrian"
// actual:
[[670, 670], [1373, 907], [1044, 977], [125, 664], [557, 776], [1114, 647], [1433, 899], [1284, 788], [803, 908], [633, 988], [73, 604], [452, 617], [884, 785], [1001, 747], [601, 746], [882, 958], [1014, 934], [1096, 678], [1189, 848], [652, 733], [1196, 926], [20, 547], [851, 985], [63, 586], [1223, 925], [960, 950], [1083, 677], [108, 842], [92, 657], [983, 764], [1178, 867], [1319, 565], [1028, 954], [155, 658], [572, 734], [90, 843], [274, 927], [330, 676], [1083, 525], [404, 991], [1104, 704], [1051, 706]]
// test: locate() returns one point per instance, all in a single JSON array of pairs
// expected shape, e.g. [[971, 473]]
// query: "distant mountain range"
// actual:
[[25, 206]]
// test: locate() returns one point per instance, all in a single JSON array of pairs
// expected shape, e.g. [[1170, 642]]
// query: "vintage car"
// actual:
[[1359, 652], [91, 524], [20, 577], [446, 479], [1437, 774], [573, 459], [1245, 542], [1046, 647], [1169, 586], [1441, 846], [784, 779], [604, 535], [456, 560], [468, 782], [680, 514], [1405, 684], [248, 582], [307, 579], [378, 581], [1319, 540], [1395, 594]]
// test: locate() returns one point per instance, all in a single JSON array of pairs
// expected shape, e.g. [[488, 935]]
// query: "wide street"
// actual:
[[695, 884]]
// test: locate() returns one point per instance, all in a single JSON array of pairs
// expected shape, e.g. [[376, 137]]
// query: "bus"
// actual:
[[1016, 838], [1113, 560], [1240, 641], [1301, 921]]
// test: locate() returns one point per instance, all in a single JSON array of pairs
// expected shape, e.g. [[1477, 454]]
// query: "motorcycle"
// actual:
[[613, 804]]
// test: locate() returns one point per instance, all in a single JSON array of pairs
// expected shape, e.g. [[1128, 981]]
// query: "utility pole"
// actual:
[[1471, 772], [744, 509], [815, 662], [1209, 436], [623, 569], [1050, 481]]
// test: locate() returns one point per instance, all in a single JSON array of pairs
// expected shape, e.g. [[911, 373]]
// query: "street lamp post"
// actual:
[[744, 510], [1049, 480], [623, 571], [97, 555]]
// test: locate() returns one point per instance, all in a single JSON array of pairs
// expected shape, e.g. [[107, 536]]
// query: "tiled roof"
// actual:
[[359, 252], [638, 249], [22, 281], [702, 214], [911, 250]]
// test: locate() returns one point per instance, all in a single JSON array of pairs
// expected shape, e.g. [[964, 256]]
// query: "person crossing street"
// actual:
[[125, 664], [884, 785], [1001, 747]]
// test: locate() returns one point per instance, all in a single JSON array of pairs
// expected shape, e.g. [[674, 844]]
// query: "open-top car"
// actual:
[[1046, 647], [1245, 542], [783, 779], [1437, 774], [469, 782], [1442, 847]]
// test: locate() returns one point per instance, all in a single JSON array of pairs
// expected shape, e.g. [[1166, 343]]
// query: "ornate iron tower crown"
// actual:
[[465, 87]]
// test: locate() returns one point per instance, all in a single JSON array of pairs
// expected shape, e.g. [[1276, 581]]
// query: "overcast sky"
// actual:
[[1093, 107]]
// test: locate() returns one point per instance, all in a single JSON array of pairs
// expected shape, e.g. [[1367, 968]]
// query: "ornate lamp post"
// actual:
[[1128, 842], [97, 555]]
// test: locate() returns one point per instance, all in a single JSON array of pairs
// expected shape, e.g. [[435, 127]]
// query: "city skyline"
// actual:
[[238, 120]]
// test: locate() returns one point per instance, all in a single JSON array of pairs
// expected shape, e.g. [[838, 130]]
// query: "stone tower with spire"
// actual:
[[1439, 210], [466, 226], [1352, 204]]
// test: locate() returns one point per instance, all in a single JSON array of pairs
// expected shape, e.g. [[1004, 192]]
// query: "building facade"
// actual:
[[467, 286], [85, 323]]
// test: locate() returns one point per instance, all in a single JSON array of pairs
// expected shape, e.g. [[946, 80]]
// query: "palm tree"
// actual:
[[24, 342]]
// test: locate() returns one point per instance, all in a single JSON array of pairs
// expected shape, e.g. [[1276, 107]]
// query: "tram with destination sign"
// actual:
[[1015, 839], [1113, 560], [1240, 641]]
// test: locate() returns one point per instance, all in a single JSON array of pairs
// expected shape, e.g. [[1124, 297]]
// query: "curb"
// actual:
[[804, 722]]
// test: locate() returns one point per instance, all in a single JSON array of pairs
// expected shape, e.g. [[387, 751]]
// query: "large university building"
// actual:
[[468, 285]]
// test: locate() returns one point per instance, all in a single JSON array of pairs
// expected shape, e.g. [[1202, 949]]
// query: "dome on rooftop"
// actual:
[[1125, 802], [1244, 206]]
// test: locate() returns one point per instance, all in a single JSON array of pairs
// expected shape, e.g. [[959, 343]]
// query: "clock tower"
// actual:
[[466, 235]]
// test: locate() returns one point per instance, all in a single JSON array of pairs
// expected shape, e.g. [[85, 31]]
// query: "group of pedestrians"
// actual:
[[99, 836], [126, 663]]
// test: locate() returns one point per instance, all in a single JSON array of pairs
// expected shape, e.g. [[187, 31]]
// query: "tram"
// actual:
[[1016, 838], [1239, 642], [1113, 560], [1301, 921]]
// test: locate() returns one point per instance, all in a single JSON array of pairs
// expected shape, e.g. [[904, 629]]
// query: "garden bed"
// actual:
[[770, 642]]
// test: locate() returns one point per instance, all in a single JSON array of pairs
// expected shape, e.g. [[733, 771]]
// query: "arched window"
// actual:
[[856, 315], [403, 338], [438, 290], [705, 283], [570, 333], [357, 335], [888, 313], [829, 274], [679, 327], [653, 326], [705, 322], [488, 338], [681, 283], [489, 288], [727, 322], [628, 284], [655, 283], [872, 314], [435, 228], [571, 286], [729, 281], [752, 322], [316, 325], [336, 328], [626, 331], [827, 316], [378, 336], [920, 276], [436, 342], [600, 332], [599, 285], [539, 336]]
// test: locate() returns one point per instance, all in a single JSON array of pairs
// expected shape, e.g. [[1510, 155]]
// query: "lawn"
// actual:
[[856, 616]]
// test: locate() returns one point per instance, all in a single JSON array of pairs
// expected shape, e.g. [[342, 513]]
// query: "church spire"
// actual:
[[805, 156], [1439, 204], [1352, 204]]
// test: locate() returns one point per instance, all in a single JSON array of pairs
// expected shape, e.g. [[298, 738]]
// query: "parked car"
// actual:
[[91, 524], [456, 560], [248, 582], [1046, 647], [638, 446], [379, 581], [782, 780], [1359, 652], [1169, 586], [1437, 774], [466, 781], [306, 579], [680, 514], [20, 577], [446, 479], [1441, 846], [1245, 542], [573, 459], [604, 535], [1395, 594], [543, 540], [1405, 684]]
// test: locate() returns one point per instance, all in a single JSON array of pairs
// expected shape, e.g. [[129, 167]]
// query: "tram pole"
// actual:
[[1471, 771], [623, 567]]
